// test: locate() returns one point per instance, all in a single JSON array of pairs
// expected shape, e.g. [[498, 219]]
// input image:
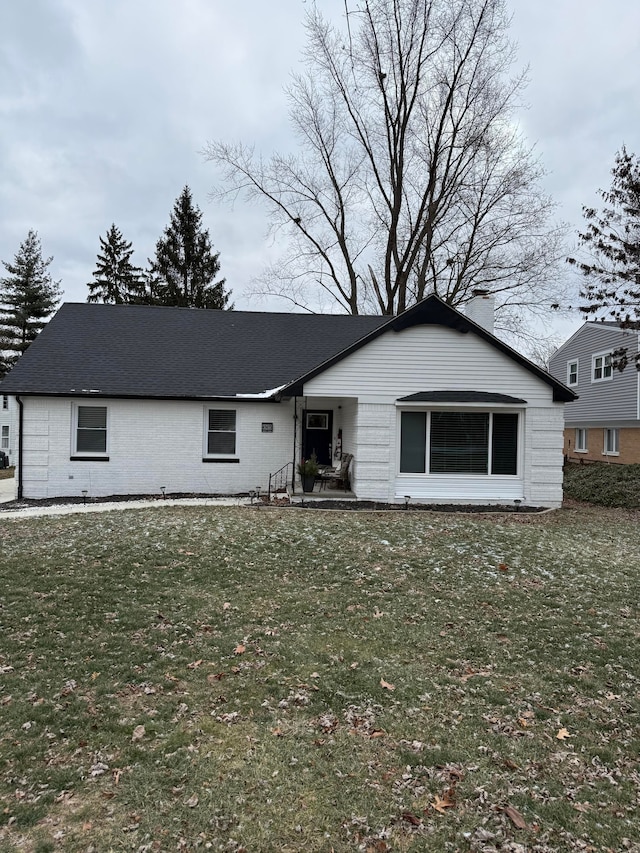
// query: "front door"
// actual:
[[317, 427]]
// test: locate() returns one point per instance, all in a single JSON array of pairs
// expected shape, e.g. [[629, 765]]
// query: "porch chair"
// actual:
[[339, 476]]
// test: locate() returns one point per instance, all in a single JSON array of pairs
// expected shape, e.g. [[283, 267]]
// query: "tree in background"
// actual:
[[28, 296], [412, 177], [185, 265], [610, 258], [115, 279]]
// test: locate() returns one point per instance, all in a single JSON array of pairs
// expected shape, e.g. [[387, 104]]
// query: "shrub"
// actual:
[[603, 484]]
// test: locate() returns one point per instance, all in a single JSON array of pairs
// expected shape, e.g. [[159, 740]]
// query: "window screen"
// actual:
[[413, 442], [459, 442], [92, 429], [221, 435]]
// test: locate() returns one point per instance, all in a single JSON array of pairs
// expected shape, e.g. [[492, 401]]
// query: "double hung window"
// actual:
[[572, 372], [91, 431], [581, 440], [221, 432], [602, 368], [4, 439], [458, 442], [611, 442]]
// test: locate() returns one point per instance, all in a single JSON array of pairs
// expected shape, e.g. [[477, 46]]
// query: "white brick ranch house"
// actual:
[[127, 399]]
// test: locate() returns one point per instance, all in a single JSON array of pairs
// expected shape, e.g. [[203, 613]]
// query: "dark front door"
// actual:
[[317, 429]]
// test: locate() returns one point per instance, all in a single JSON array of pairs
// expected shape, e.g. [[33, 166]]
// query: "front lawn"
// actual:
[[277, 680], [7, 473]]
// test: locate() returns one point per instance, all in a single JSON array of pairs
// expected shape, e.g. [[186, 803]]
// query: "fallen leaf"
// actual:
[[239, 649], [386, 686], [503, 567], [192, 802], [563, 734], [226, 605], [277, 732], [195, 664], [138, 733], [411, 818], [377, 733], [377, 613], [443, 803], [515, 817], [215, 676]]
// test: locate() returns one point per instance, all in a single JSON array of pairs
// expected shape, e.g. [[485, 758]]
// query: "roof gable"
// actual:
[[435, 312]]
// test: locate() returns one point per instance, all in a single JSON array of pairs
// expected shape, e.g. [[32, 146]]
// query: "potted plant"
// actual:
[[308, 470]]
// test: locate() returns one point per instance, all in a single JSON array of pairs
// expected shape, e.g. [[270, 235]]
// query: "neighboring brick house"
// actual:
[[603, 424], [130, 399]]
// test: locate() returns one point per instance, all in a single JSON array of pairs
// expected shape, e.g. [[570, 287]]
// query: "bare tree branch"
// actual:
[[412, 176]]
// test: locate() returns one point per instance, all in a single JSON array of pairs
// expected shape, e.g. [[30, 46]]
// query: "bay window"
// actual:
[[458, 442]]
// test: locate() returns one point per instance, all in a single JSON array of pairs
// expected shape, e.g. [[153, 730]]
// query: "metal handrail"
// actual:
[[278, 480]]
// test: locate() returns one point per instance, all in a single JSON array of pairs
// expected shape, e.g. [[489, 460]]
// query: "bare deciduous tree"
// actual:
[[412, 176]]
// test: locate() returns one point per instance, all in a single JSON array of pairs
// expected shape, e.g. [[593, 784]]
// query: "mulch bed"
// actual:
[[413, 507]]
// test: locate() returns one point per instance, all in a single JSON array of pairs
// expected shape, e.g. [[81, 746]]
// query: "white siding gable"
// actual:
[[427, 358]]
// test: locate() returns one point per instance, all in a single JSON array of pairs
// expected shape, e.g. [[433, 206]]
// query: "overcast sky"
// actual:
[[105, 106]]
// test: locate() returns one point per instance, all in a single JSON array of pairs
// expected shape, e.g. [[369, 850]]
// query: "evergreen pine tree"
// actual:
[[610, 256], [28, 296], [115, 279], [185, 263]]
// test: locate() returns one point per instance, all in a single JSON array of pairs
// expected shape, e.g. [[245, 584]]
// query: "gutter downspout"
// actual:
[[20, 430], [295, 438]]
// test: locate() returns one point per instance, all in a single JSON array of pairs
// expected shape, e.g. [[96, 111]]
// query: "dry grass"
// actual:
[[235, 679]]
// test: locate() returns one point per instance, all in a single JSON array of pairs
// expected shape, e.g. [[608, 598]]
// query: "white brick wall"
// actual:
[[151, 444]]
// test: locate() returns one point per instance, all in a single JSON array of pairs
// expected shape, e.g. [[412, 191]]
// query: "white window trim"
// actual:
[[616, 431], [5, 436], [205, 432], [585, 447], [569, 365], [603, 356], [496, 408], [85, 454]]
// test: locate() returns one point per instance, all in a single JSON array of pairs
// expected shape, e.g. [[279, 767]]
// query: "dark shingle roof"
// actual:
[[142, 351], [460, 397], [166, 353]]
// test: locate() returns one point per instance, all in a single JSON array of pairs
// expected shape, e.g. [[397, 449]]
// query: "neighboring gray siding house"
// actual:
[[124, 399], [603, 424], [8, 426]]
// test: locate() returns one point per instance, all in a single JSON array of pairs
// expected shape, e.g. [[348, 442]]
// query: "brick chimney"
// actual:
[[481, 309]]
